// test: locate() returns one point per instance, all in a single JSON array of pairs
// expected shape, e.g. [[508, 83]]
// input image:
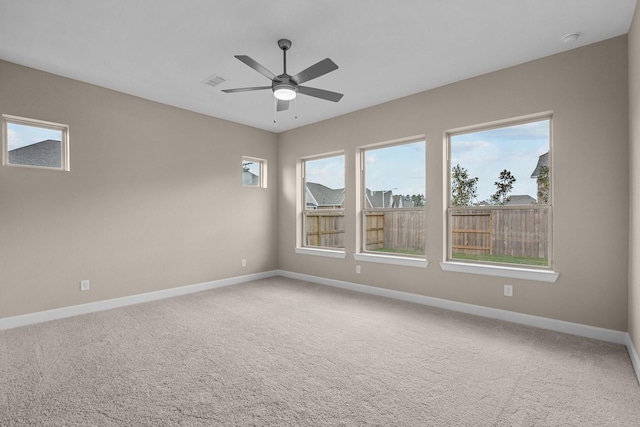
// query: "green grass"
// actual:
[[398, 251], [502, 259], [505, 259]]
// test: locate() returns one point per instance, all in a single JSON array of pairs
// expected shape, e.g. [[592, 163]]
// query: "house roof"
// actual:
[[543, 160], [249, 178], [45, 153], [379, 198], [521, 199], [321, 195]]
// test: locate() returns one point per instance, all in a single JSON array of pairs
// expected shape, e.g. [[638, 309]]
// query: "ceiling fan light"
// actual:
[[285, 92]]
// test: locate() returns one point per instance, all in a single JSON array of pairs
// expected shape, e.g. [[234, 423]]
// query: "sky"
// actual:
[[400, 168], [21, 135], [515, 148], [328, 171]]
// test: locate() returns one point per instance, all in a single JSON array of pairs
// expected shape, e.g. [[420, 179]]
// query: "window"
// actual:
[[34, 143], [254, 172], [500, 195], [323, 202], [393, 199]]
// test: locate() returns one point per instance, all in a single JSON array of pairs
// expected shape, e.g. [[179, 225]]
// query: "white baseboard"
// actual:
[[608, 335], [75, 310], [633, 354]]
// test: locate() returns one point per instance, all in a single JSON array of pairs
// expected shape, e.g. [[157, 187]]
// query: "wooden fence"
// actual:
[[501, 231], [494, 231], [325, 229], [397, 230]]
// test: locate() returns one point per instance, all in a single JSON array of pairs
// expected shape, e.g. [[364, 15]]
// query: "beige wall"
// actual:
[[634, 163], [586, 89], [154, 198]]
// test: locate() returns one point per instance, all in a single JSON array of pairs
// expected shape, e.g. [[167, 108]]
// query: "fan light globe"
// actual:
[[284, 92]]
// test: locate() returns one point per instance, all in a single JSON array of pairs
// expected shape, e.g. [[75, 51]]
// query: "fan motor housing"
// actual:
[[284, 44]]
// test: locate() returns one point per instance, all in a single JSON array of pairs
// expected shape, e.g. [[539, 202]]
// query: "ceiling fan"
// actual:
[[286, 87]]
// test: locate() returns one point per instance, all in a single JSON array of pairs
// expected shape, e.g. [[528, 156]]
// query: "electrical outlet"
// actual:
[[84, 285], [358, 269], [244, 262], [508, 290]]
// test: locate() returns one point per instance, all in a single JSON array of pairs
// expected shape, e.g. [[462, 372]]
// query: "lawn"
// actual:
[[502, 259], [398, 251], [505, 259]]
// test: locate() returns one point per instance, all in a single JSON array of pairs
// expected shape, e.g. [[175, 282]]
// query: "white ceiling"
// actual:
[[163, 49]]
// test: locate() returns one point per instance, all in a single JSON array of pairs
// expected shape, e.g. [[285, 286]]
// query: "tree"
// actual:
[[245, 166], [543, 185], [505, 185], [417, 199], [464, 189]]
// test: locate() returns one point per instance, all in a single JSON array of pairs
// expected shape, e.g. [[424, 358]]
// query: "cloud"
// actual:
[[14, 140]]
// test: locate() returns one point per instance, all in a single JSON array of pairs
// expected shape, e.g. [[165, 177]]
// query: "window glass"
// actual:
[[323, 200], [500, 194], [34, 143], [254, 172], [394, 199]]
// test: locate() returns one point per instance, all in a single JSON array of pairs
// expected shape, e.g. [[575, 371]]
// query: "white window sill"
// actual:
[[392, 259], [500, 271], [329, 253]]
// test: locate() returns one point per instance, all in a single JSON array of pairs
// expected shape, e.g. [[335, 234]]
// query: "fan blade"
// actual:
[[320, 93], [256, 66], [282, 105], [246, 89], [321, 68]]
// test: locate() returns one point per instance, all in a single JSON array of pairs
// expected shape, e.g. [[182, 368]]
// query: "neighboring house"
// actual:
[[400, 202], [250, 179], [44, 153], [543, 161], [319, 196], [521, 199], [379, 199], [516, 199]]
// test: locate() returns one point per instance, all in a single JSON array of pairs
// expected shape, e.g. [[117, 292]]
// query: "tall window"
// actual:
[[500, 195], [323, 198], [394, 199], [34, 143]]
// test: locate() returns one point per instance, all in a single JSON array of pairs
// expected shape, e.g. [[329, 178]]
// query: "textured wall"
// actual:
[[587, 91], [153, 200], [154, 197]]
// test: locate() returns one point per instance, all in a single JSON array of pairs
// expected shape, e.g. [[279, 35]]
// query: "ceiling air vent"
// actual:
[[214, 80]]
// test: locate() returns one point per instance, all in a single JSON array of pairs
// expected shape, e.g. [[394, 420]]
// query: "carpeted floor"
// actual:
[[282, 352]]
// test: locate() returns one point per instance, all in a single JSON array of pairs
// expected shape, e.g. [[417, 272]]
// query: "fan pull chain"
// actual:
[[295, 108]]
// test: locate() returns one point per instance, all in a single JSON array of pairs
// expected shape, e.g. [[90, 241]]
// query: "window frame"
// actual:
[[512, 270], [302, 247], [24, 121], [403, 259], [262, 171]]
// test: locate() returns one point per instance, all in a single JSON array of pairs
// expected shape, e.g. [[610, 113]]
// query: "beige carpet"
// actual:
[[283, 352]]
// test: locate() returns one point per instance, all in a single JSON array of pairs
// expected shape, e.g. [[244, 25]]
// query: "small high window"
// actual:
[[34, 143], [254, 172]]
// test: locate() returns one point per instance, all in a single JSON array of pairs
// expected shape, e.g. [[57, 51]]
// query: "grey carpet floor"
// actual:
[[284, 352]]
